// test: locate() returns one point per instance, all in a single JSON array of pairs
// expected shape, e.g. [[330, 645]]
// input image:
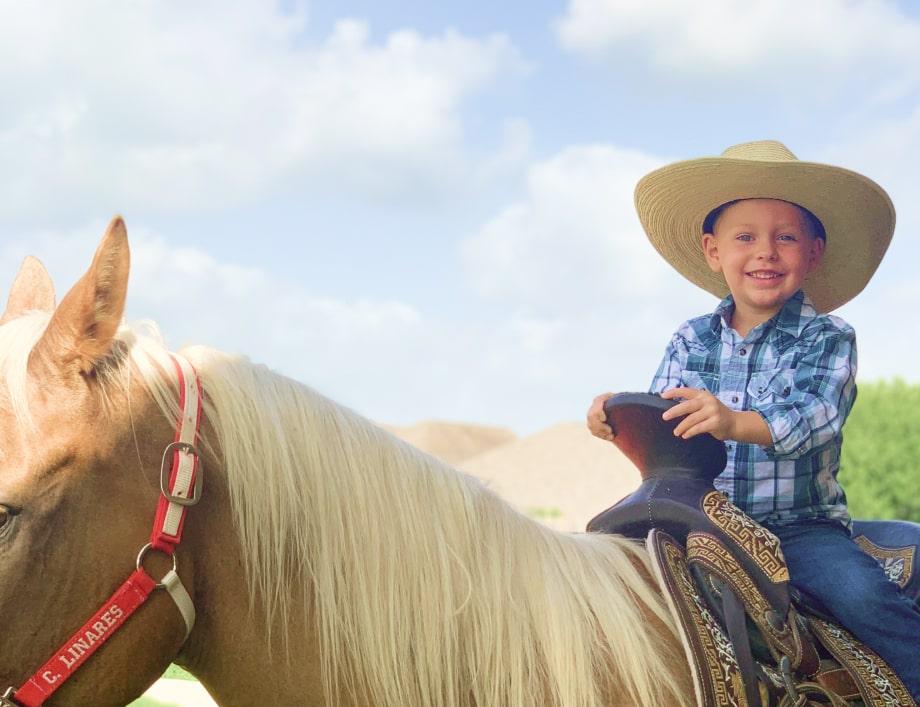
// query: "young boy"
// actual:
[[769, 372]]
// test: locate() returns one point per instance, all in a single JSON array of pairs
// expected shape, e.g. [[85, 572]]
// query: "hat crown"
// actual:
[[761, 150]]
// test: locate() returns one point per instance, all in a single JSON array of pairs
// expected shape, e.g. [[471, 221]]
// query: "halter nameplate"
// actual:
[[182, 490]]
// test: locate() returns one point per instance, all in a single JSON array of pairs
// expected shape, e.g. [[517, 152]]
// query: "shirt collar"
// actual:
[[795, 314], [797, 311], [721, 318]]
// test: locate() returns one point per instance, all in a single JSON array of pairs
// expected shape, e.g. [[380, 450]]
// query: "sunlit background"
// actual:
[[424, 210]]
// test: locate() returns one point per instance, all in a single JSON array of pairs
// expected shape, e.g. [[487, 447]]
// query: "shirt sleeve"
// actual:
[[669, 370], [817, 404]]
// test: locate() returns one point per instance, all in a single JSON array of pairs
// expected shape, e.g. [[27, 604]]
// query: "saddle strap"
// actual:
[[736, 625]]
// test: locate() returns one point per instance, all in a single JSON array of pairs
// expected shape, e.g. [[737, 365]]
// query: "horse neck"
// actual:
[[232, 650], [237, 640], [450, 526]]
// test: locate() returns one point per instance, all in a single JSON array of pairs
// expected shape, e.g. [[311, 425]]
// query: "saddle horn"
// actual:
[[650, 444]]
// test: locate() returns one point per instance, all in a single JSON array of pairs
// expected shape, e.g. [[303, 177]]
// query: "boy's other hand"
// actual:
[[704, 413], [597, 418]]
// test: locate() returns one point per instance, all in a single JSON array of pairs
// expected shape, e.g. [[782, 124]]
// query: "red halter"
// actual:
[[180, 488]]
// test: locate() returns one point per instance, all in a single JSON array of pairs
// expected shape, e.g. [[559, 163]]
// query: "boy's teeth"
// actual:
[[764, 275]]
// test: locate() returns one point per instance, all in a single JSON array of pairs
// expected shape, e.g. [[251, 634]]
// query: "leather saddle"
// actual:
[[751, 638]]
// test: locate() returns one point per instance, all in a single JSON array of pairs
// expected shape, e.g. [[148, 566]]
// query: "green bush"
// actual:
[[880, 464], [544, 512]]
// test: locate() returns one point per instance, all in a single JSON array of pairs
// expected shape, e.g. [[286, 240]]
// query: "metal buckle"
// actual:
[[6, 699], [165, 472], [140, 562]]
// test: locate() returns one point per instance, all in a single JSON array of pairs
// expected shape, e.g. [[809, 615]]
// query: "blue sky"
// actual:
[[424, 210]]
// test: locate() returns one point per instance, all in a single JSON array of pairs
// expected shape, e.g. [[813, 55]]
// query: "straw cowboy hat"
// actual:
[[857, 215]]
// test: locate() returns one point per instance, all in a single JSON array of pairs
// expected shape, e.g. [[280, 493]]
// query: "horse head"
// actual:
[[74, 506]]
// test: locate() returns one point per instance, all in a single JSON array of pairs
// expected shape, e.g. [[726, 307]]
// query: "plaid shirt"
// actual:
[[797, 370]]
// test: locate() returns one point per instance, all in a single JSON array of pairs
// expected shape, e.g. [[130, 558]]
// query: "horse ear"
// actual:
[[82, 328], [32, 290]]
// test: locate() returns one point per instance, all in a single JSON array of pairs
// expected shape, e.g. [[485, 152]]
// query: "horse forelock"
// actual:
[[426, 588], [17, 338]]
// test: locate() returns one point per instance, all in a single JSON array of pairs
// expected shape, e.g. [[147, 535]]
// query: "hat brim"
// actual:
[[857, 215]]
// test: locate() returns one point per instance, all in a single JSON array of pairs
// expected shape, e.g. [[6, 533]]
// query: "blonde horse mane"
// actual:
[[426, 588]]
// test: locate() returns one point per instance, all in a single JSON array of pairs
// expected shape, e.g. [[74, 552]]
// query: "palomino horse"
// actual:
[[329, 563]]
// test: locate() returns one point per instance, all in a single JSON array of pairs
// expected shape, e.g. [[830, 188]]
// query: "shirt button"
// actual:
[[734, 398], [744, 352]]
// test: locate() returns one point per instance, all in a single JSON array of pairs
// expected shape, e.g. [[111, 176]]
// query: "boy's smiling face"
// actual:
[[765, 249]]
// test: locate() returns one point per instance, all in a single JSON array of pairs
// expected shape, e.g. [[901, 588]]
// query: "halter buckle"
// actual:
[[165, 472]]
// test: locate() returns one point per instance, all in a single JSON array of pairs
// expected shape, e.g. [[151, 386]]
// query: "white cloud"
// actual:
[[388, 359], [888, 151], [168, 105], [583, 301], [197, 298], [884, 315], [822, 45], [573, 240]]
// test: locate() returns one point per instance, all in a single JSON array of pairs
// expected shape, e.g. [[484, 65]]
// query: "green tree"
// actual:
[[880, 464]]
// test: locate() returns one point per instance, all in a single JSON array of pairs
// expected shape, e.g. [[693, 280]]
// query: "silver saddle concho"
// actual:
[[750, 638]]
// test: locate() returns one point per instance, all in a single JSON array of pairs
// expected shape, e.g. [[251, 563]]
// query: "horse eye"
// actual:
[[6, 515]]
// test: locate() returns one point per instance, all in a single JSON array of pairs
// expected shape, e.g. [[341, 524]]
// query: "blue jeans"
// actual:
[[827, 564]]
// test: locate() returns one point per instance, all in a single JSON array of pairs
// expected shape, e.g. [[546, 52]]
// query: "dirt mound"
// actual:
[[453, 442], [561, 476]]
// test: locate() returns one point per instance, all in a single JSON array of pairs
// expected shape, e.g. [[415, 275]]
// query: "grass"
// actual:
[[544, 512], [173, 672]]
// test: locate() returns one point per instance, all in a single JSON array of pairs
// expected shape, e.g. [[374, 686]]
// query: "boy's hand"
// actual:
[[704, 413], [597, 419]]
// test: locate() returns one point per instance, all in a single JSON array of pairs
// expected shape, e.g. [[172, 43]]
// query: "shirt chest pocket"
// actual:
[[771, 386]]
